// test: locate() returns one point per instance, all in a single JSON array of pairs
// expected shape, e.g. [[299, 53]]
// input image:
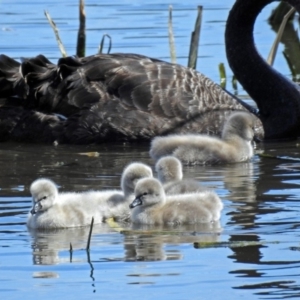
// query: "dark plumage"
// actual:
[[111, 97], [116, 96], [277, 98], [21, 125]]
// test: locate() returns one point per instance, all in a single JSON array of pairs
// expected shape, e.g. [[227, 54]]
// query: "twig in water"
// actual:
[[273, 51], [71, 252], [102, 43], [235, 244], [114, 225], [192, 63], [88, 253], [81, 32], [92, 269], [53, 25], [266, 155], [90, 234], [171, 37]]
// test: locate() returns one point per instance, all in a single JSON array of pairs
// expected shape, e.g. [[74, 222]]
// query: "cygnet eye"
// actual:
[[43, 198], [142, 195]]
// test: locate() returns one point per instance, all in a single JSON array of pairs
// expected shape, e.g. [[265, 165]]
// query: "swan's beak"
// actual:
[[256, 139], [136, 202], [36, 208]]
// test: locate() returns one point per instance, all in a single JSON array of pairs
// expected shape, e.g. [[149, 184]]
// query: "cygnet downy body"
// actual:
[[131, 175], [119, 210], [52, 209], [169, 173], [234, 146], [151, 206]]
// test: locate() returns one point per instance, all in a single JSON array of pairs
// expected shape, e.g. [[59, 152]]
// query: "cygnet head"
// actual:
[[148, 192], [44, 192], [240, 124], [131, 174], [168, 169]]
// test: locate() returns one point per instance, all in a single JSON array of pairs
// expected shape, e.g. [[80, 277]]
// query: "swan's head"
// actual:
[[148, 192], [168, 168], [241, 124], [131, 174], [44, 192]]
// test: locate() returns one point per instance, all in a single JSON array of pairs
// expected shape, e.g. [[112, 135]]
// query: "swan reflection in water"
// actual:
[[47, 244], [141, 242], [241, 184], [150, 243]]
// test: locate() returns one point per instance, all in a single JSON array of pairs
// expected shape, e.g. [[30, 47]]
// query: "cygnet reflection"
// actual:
[[154, 242], [48, 245]]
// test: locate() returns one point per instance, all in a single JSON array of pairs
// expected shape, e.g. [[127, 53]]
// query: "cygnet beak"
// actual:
[[256, 139], [136, 202], [36, 208]]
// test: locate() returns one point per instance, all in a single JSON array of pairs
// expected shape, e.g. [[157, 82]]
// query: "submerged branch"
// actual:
[[265, 155]]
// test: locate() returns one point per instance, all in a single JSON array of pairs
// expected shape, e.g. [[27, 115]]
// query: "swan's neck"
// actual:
[[277, 98]]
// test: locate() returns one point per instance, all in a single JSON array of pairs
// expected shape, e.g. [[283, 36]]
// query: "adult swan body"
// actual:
[[277, 98], [109, 97], [133, 97]]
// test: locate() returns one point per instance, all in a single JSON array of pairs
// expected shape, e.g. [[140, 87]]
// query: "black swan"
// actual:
[[112, 97], [277, 98], [109, 97]]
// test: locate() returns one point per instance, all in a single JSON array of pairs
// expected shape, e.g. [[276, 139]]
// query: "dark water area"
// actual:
[[253, 252]]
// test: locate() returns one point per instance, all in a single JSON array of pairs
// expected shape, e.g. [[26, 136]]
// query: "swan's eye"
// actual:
[[143, 195], [45, 197]]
